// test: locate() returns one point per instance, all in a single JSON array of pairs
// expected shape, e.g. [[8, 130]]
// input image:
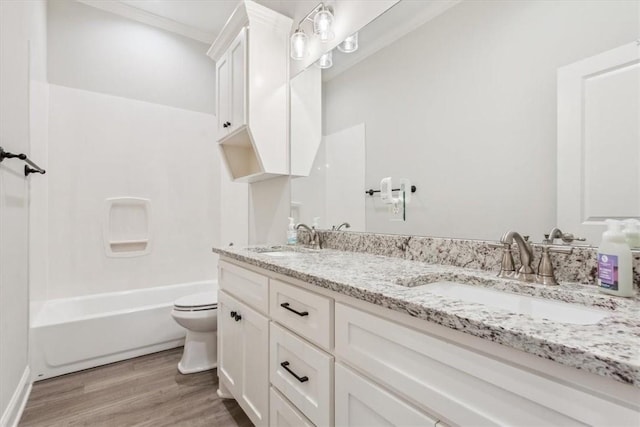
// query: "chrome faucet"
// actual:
[[344, 224], [507, 268], [315, 237]]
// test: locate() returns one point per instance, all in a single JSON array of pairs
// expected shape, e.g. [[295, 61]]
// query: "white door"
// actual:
[[238, 57], [243, 356], [14, 200], [229, 341], [223, 95], [254, 398], [360, 402], [599, 141]]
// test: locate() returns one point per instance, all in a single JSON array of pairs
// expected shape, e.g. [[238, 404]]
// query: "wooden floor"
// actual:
[[145, 391]]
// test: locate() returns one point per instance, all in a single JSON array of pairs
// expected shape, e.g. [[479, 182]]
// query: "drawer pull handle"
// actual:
[[301, 379], [299, 313]]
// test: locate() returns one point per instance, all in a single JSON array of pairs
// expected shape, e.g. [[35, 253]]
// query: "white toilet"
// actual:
[[198, 315]]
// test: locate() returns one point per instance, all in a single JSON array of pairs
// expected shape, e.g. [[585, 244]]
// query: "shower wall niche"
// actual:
[[127, 227]]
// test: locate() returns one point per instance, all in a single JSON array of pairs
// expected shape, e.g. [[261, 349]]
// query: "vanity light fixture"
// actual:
[[322, 18], [326, 60], [299, 45], [350, 44]]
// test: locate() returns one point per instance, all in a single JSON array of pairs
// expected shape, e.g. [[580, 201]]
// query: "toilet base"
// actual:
[[200, 352]]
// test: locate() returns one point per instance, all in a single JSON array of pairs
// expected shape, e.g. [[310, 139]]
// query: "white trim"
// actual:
[[13, 412], [148, 18]]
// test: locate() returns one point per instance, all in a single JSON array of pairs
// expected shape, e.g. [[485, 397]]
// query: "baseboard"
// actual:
[[12, 414]]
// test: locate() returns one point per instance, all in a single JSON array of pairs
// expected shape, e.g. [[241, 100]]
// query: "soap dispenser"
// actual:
[[292, 234], [614, 262]]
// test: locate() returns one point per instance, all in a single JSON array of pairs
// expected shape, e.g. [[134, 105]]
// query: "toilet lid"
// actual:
[[201, 301]]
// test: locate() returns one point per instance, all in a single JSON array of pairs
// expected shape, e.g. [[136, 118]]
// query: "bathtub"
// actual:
[[71, 334]]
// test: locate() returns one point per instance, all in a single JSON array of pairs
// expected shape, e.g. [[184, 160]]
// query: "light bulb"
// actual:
[[322, 23], [350, 44], [326, 60], [298, 45]]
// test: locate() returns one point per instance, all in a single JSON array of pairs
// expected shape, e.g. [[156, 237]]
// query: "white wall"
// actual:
[[102, 52], [465, 106], [102, 146], [22, 53]]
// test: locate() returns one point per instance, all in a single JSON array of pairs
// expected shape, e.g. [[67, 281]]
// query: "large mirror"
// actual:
[[461, 100]]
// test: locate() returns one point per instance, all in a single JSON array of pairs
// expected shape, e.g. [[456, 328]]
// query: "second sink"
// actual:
[[522, 304]]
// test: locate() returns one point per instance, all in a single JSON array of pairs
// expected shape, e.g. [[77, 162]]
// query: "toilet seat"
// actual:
[[197, 302]]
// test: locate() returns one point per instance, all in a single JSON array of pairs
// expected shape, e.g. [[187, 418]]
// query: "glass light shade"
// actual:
[[322, 23], [299, 45], [350, 44], [326, 60]]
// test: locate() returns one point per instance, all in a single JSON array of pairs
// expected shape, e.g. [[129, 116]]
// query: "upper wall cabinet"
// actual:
[[251, 55]]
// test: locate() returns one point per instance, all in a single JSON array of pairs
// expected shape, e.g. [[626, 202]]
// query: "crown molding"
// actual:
[[148, 18]]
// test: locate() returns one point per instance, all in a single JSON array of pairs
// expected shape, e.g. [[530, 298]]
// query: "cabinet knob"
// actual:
[[224, 125], [228, 124], [238, 317], [233, 314]]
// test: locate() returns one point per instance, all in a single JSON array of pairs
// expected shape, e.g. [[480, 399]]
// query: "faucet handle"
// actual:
[[507, 266], [546, 275]]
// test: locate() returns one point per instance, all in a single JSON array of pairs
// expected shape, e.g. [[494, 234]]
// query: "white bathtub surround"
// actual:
[[103, 146], [71, 334]]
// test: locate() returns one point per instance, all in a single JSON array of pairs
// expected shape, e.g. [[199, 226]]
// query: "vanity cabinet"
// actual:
[[251, 55], [311, 356]]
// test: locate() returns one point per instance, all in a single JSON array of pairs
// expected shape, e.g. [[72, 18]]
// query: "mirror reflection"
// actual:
[[461, 100]]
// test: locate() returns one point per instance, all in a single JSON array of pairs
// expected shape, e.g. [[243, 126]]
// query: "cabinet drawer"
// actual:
[[359, 402], [251, 288], [308, 314], [463, 386], [303, 374], [283, 414]]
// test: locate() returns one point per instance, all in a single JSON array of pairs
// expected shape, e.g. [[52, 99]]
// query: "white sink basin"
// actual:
[[535, 307]]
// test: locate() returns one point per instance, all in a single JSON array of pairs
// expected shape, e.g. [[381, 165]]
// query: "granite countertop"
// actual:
[[610, 348]]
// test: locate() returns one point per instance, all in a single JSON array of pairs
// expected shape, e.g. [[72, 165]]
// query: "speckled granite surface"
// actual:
[[580, 266], [610, 348]]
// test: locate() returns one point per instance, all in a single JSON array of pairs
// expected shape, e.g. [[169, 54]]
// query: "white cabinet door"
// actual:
[[223, 94], [237, 55], [255, 365], [229, 364], [243, 340], [360, 402]]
